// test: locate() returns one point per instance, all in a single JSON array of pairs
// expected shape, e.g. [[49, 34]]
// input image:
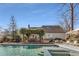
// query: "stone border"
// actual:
[[24, 44]]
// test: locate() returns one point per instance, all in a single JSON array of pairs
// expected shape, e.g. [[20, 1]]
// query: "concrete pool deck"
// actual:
[[68, 46], [72, 50]]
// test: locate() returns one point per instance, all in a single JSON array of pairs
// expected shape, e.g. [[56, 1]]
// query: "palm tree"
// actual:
[[23, 32]]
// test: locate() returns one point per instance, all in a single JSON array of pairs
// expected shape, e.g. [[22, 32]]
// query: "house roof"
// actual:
[[50, 28], [53, 29], [35, 28]]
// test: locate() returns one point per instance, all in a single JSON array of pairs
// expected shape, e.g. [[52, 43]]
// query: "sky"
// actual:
[[30, 13]]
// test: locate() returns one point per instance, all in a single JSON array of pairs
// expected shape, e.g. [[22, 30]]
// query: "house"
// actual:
[[53, 32]]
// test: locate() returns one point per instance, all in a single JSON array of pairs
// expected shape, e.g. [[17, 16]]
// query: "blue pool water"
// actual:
[[29, 50]]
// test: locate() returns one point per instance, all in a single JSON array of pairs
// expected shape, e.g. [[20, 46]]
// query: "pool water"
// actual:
[[20, 50], [29, 50]]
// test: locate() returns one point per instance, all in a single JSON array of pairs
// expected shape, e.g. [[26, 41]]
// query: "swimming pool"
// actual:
[[33, 50], [19, 50]]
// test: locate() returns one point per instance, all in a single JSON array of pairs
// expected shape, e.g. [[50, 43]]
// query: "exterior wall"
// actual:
[[34, 36], [1, 35], [54, 35]]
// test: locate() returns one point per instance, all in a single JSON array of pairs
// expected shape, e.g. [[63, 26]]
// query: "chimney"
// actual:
[[28, 26]]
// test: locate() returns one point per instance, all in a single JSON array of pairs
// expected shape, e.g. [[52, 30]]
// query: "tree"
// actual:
[[37, 31], [41, 33], [12, 28], [23, 32], [28, 33], [69, 13], [18, 38], [65, 23]]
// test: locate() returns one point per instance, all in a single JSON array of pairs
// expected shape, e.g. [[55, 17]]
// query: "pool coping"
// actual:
[[23, 44]]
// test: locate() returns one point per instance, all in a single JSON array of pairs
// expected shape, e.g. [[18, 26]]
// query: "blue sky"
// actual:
[[33, 14]]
